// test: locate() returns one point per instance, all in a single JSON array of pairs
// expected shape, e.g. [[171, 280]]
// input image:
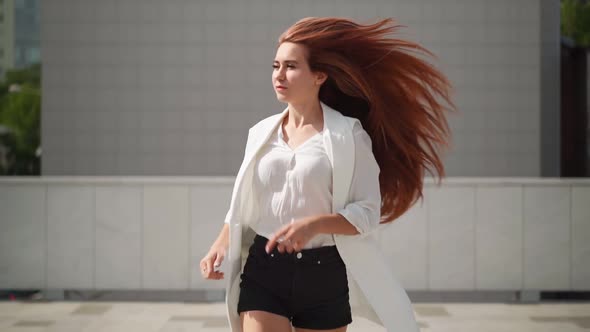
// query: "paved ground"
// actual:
[[166, 317]]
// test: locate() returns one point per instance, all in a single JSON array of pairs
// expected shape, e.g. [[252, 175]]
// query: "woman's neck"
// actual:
[[303, 114]]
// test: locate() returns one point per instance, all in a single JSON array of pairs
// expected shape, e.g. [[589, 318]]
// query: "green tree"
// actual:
[[575, 21], [20, 114]]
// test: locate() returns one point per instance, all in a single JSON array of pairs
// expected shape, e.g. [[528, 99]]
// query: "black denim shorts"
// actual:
[[310, 288]]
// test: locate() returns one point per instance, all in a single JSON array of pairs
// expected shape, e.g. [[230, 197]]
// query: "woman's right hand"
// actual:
[[211, 262]]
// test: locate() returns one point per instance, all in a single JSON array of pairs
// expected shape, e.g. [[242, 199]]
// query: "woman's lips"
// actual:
[[280, 88]]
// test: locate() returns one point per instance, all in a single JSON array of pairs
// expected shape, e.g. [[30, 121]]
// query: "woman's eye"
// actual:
[[288, 66]]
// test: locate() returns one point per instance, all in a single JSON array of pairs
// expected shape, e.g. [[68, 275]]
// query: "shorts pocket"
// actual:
[[256, 262]]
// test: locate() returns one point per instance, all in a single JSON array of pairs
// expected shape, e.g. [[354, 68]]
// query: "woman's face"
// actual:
[[292, 79]]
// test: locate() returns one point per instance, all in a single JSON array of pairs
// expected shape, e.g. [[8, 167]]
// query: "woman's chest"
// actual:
[[279, 165]]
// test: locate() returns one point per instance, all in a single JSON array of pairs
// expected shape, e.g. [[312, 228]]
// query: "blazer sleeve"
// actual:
[[232, 205], [364, 208]]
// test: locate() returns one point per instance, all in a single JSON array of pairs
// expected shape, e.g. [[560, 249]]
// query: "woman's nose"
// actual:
[[280, 73]]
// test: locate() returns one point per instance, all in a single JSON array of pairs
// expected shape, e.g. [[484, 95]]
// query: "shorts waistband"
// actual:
[[326, 254]]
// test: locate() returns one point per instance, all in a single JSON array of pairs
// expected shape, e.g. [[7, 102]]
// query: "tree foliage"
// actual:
[[20, 115], [575, 21]]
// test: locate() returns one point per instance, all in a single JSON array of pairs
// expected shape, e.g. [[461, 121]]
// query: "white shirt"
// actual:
[[381, 297], [291, 184]]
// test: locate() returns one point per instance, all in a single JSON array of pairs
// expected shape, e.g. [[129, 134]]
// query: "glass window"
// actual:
[[33, 55], [17, 54]]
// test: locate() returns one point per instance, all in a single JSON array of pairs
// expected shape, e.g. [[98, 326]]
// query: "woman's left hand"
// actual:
[[294, 236]]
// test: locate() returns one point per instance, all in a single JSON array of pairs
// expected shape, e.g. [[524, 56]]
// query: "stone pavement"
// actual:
[[70, 316]]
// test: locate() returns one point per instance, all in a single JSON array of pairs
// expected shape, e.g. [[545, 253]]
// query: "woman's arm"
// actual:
[[363, 210], [334, 224], [215, 256], [217, 252], [223, 237], [300, 232]]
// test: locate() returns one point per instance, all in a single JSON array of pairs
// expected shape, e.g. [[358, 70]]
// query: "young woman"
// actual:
[[363, 122]]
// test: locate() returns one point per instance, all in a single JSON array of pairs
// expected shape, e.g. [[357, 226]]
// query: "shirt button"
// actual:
[[299, 255]]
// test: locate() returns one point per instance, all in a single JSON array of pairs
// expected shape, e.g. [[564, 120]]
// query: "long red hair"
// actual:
[[398, 97]]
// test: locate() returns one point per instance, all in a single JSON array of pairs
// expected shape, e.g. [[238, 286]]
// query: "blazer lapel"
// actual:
[[260, 134]]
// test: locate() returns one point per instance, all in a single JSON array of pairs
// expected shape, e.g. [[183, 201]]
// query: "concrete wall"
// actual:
[[150, 234], [146, 87]]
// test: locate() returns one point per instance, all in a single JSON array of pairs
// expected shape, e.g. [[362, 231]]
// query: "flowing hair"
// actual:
[[398, 97]]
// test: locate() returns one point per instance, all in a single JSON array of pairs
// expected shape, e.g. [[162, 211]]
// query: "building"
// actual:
[[19, 34]]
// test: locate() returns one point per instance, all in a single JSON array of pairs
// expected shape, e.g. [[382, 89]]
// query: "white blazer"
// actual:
[[381, 298]]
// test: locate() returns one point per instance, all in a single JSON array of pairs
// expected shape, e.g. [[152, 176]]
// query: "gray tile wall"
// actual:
[[150, 233], [144, 87]]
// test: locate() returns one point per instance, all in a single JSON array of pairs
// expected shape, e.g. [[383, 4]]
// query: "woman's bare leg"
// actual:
[[263, 321]]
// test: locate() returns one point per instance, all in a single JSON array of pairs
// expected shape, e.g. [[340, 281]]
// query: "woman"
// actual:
[[347, 155]]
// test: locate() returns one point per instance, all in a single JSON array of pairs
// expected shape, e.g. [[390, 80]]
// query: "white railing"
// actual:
[[150, 233]]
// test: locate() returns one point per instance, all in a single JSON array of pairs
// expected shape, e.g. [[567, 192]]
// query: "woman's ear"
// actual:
[[321, 77]]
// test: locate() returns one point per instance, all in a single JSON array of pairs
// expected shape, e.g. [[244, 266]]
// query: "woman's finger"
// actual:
[[281, 247], [218, 260], [208, 267], [208, 272], [272, 242]]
